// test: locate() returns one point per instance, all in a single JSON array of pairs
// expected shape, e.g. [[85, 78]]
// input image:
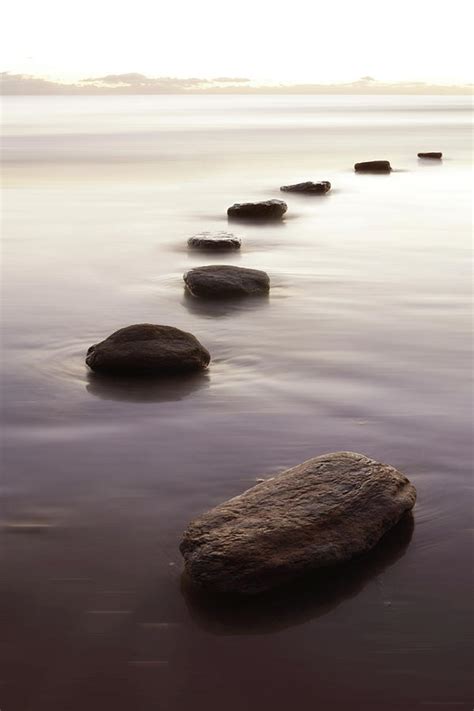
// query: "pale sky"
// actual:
[[265, 40]]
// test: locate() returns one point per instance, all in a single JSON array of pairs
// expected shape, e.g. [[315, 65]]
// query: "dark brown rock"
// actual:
[[431, 154], [221, 241], [320, 513], [147, 349], [309, 187], [266, 210], [224, 281], [373, 166]]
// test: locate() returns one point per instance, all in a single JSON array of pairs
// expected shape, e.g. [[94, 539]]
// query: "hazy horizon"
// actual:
[[137, 83]]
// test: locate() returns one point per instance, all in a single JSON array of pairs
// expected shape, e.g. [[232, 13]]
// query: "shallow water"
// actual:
[[362, 345]]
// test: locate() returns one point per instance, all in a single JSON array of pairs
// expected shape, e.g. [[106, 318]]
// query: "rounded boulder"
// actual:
[[148, 349]]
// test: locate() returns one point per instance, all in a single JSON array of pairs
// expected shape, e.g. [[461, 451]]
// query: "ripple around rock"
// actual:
[[224, 281], [147, 349], [322, 512], [309, 187], [373, 166], [219, 241], [431, 154], [266, 210]]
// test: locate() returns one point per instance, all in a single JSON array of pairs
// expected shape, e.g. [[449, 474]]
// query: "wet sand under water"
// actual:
[[362, 345]]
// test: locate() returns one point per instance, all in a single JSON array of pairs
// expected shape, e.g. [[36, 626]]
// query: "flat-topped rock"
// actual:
[[207, 241], [148, 349], [266, 210], [224, 281], [373, 166], [320, 513], [430, 154], [309, 187]]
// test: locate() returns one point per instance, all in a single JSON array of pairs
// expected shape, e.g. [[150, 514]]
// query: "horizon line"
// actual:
[[140, 84]]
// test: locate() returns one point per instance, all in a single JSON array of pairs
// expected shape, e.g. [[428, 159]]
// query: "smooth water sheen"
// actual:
[[363, 345]]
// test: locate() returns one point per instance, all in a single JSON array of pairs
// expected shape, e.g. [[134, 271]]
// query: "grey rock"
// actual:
[[320, 513], [373, 166], [309, 187], [266, 210], [431, 154], [147, 349], [224, 281], [214, 242]]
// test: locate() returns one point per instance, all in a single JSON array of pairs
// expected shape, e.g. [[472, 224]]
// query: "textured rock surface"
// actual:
[[146, 349], [226, 281], [431, 154], [267, 210], [217, 241], [317, 514], [373, 166], [313, 188]]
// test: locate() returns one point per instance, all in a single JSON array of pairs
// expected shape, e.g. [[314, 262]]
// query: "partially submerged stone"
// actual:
[[148, 349], [430, 154], [266, 210], [309, 187], [214, 242], [373, 166], [224, 281], [318, 514]]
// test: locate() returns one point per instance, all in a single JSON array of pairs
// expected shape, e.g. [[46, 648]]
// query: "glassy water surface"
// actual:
[[362, 345]]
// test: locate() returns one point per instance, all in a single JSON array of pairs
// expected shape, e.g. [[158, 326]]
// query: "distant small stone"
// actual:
[[224, 281], [431, 154], [309, 187], [214, 242], [320, 513], [147, 349], [373, 166], [266, 210]]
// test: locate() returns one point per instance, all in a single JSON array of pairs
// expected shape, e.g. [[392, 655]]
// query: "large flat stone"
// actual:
[[322, 512]]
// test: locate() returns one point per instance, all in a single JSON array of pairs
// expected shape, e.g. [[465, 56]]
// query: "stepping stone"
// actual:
[[219, 241], [224, 281], [373, 166], [148, 349], [320, 513], [432, 154], [312, 188], [266, 210]]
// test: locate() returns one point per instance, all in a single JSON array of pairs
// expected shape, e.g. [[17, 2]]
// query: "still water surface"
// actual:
[[362, 345]]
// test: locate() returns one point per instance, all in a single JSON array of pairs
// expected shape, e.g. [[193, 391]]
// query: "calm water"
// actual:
[[363, 345]]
